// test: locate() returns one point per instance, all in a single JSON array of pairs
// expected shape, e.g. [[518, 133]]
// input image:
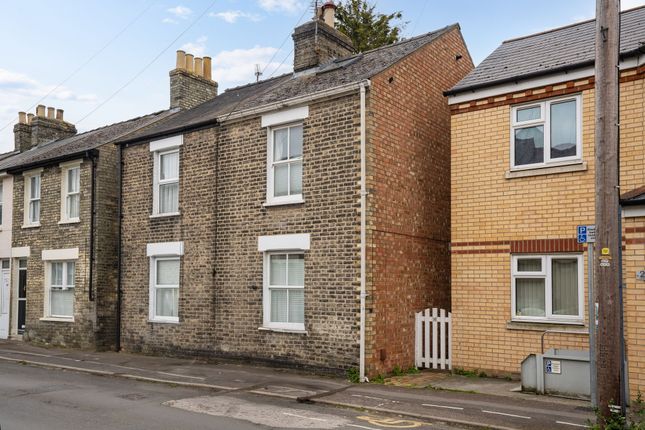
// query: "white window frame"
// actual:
[[545, 120], [289, 198], [48, 287], [266, 296], [159, 148], [156, 252], [65, 168], [27, 223], [545, 274]]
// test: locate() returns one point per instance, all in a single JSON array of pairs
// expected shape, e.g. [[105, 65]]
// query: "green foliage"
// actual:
[[367, 29], [412, 371], [397, 371], [464, 372], [353, 375], [616, 421], [379, 379]]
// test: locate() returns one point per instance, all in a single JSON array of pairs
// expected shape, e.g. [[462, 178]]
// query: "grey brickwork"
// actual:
[[188, 90], [40, 130], [317, 43], [52, 235], [220, 307]]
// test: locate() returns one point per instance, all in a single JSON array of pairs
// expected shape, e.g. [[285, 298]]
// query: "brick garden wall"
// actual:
[[409, 200]]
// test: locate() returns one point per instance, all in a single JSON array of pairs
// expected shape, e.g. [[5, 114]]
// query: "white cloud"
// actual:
[[197, 48], [238, 66], [628, 4], [231, 16], [14, 85], [281, 5], [18, 92], [168, 21], [180, 11]]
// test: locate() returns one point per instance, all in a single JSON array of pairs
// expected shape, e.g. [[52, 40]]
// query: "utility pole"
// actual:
[[608, 235]]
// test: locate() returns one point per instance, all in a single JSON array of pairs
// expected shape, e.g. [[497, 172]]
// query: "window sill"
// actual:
[[284, 330], [57, 319], [31, 225], [69, 221], [168, 215], [551, 169], [573, 326], [176, 322], [297, 201]]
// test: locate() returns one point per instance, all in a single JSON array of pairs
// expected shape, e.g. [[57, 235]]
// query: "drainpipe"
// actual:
[[92, 156], [119, 162], [363, 86]]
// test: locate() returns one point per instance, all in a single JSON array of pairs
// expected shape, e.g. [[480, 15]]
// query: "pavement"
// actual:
[[434, 397]]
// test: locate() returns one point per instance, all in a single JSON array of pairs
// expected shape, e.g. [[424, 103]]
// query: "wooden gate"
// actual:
[[433, 339]]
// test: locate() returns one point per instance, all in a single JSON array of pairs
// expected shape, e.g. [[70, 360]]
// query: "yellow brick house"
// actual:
[[522, 179]]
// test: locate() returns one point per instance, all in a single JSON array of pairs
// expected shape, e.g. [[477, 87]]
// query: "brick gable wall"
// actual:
[[409, 200]]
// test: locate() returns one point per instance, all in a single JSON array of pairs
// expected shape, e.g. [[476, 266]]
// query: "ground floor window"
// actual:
[[284, 292], [548, 288], [60, 286], [164, 294]]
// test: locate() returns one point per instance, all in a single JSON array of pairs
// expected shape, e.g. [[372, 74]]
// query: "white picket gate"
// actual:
[[439, 336]]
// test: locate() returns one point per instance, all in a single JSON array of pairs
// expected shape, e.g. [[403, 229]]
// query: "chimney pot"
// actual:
[[50, 112], [199, 68], [22, 118], [30, 118], [190, 63], [181, 60], [329, 13], [40, 111], [59, 114], [207, 66]]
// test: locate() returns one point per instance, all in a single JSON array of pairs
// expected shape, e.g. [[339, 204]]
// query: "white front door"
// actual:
[[5, 296]]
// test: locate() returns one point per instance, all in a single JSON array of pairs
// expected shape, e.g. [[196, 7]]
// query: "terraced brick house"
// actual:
[[299, 220], [63, 231], [523, 180]]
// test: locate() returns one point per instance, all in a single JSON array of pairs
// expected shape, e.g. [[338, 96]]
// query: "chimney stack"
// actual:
[[32, 130], [318, 42], [190, 82]]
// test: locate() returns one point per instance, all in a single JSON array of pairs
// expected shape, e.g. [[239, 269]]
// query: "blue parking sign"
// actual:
[[582, 234]]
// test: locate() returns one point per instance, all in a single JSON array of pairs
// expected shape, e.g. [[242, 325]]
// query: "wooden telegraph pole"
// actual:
[[608, 236]]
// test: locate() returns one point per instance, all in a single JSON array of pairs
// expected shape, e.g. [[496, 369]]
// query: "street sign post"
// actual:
[[587, 234]]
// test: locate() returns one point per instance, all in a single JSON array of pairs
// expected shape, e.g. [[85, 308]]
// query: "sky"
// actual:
[[107, 61]]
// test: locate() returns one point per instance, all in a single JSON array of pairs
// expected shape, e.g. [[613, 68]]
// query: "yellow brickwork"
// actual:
[[488, 207]]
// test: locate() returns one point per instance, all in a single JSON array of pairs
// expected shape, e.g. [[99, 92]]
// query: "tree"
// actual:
[[367, 28]]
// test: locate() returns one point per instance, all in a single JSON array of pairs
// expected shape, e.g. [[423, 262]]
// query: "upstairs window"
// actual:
[[546, 133], [1, 200], [166, 176], [70, 195], [285, 166], [32, 199]]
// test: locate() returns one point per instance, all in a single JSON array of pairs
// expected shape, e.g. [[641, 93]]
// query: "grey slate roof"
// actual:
[[79, 143], [342, 71], [551, 52]]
